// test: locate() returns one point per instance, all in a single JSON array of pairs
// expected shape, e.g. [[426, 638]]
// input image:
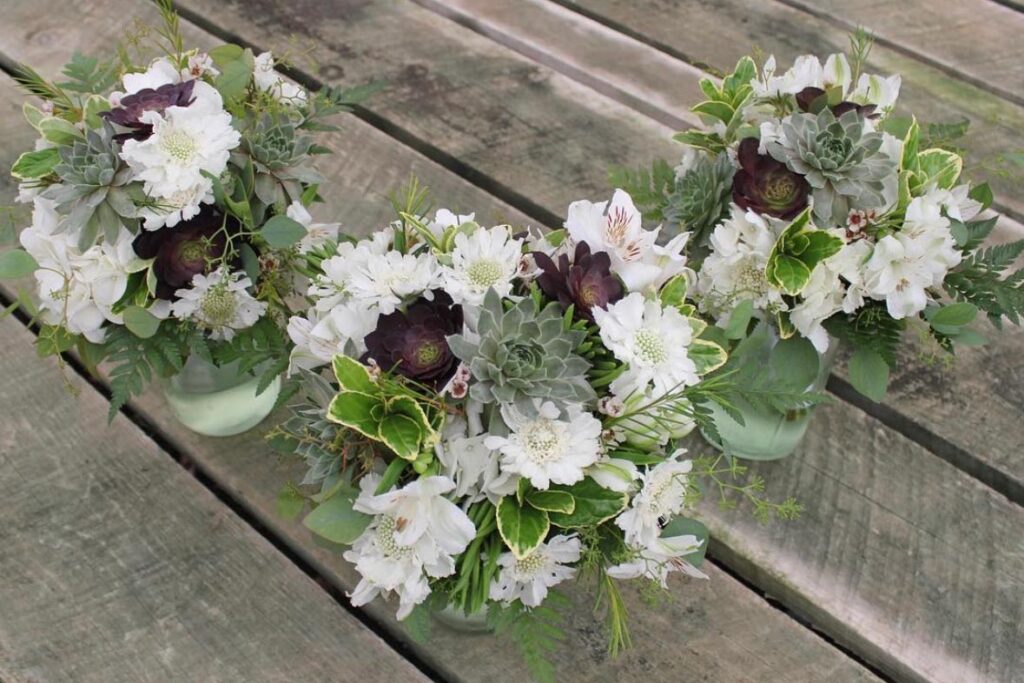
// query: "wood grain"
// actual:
[[717, 34], [118, 567]]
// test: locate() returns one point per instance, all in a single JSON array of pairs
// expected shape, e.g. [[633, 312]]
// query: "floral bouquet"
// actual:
[[818, 216], [170, 204], [504, 412]]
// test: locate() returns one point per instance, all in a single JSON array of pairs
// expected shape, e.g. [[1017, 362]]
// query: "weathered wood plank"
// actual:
[[977, 40], [708, 628], [118, 567], [719, 33]]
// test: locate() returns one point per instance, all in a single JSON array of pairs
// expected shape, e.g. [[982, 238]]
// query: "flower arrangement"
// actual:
[[502, 411], [169, 208], [817, 212]]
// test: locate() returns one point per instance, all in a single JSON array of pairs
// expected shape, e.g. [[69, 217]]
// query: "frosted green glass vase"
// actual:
[[767, 434], [218, 400]]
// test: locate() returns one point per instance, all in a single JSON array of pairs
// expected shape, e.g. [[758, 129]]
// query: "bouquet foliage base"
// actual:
[[218, 400], [457, 620], [767, 433]]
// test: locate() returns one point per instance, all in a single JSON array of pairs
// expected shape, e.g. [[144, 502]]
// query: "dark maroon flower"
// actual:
[[184, 250], [813, 100], [414, 343], [765, 185], [129, 113], [586, 283]]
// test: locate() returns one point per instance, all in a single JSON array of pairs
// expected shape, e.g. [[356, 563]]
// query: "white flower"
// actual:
[[473, 466], [734, 270], [384, 280], [186, 142], [160, 72], [548, 446], [483, 260], [444, 219], [806, 72], [651, 420], [881, 92], [662, 495], [615, 474], [268, 80], [657, 560], [319, 337], [821, 297], [956, 202], [199, 65], [528, 579], [316, 233], [219, 302], [414, 535], [652, 340], [331, 288]]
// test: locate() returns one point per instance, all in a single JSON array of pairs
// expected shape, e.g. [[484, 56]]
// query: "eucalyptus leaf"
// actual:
[[869, 373], [140, 322], [336, 520], [17, 263], [281, 231]]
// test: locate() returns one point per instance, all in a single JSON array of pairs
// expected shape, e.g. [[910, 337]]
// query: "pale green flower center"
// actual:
[[650, 347], [484, 273], [531, 564], [543, 441], [179, 145], [218, 307], [386, 539], [750, 278]]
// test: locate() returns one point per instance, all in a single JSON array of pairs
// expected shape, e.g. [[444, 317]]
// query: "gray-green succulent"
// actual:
[[92, 192], [701, 197], [842, 161], [281, 158], [523, 353]]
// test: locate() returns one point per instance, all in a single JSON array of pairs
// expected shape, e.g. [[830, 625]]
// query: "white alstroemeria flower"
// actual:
[[219, 302], [734, 270], [662, 557], [662, 495], [385, 280], [160, 72], [270, 81], [956, 202], [186, 142], [486, 259], [806, 72], [849, 264], [319, 337], [414, 534], [649, 427], [876, 90], [615, 474], [316, 233], [548, 447], [616, 227], [331, 288], [530, 578], [473, 466], [444, 219], [652, 340], [423, 516], [821, 297]]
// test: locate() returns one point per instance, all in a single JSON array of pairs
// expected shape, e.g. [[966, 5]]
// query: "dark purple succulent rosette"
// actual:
[[185, 250], [765, 185], [414, 343], [133, 106], [585, 284], [812, 100]]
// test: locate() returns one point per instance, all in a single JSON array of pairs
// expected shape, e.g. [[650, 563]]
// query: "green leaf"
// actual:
[[141, 322], [551, 501], [795, 362], [353, 375], [939, 166], [953, 315], [706, 355], [223, 54], [336, 520], [718, 110], [821, 245], [401, 434], [788, 273], [739, 320], [674, 292], [17, 263], [289, 503], [281, 231], [684, 526], [408, 406], [59, 132], [358, 411], [235, 75], [34, 165], [594, 504], [869, 373], [523, 528], [910, 146], [982, 194]]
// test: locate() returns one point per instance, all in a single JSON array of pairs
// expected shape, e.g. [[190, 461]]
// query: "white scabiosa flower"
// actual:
[[219, 302], [316, 233], [528, 579], [652, 341], [548, 446], [331, 288], [485, 259], [385, 280], [186, 142], [270, 81], [662, 557], [662, 495]]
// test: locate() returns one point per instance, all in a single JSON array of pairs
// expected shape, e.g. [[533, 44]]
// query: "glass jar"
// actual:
[[218, 400], [457, 620], [767, 434]]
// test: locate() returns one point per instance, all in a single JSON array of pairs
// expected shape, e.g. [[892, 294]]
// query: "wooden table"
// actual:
[[142, 552]]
